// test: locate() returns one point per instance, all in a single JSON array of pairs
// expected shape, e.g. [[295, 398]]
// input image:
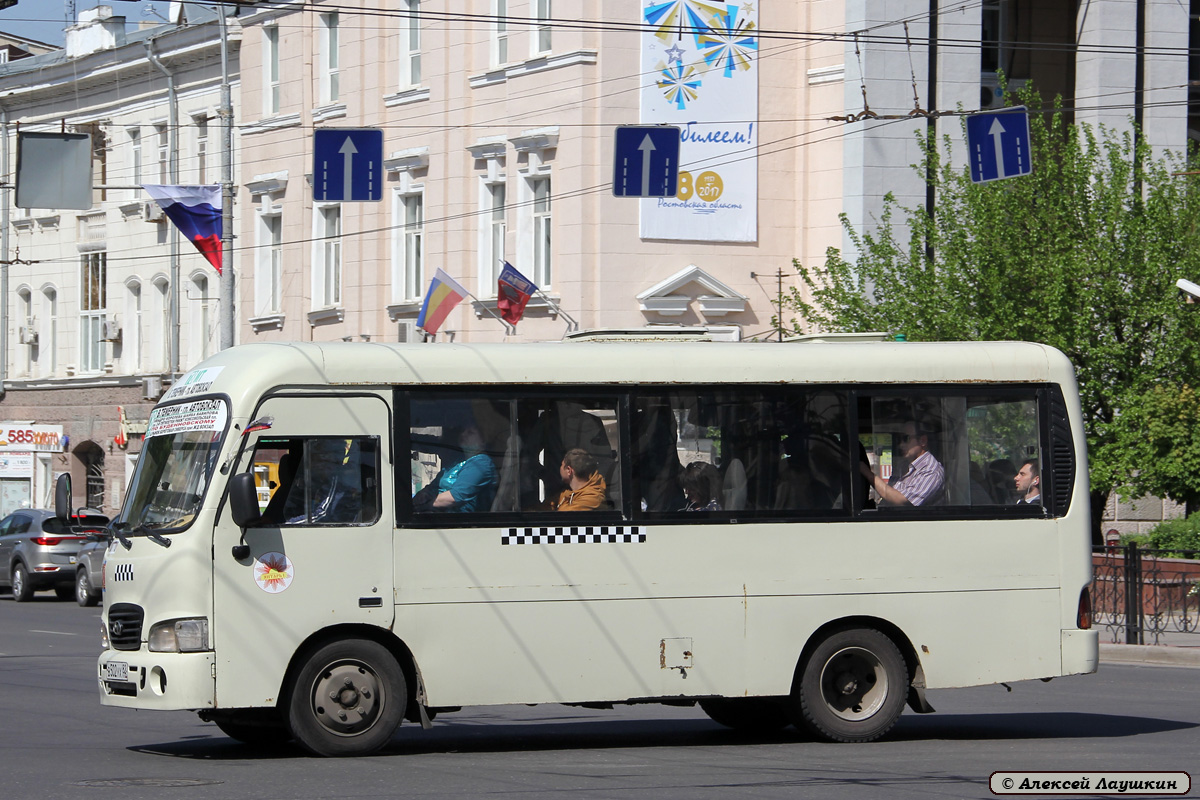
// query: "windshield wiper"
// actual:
[[117, 528], [139, 530]]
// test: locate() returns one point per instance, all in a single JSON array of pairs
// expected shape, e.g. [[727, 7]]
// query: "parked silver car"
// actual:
[[38, 551], [89, 568]]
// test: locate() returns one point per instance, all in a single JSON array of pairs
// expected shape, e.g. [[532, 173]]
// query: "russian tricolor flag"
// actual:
[[196, 212]]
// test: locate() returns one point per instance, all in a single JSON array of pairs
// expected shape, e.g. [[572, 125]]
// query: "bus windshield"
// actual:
[[175, 467]]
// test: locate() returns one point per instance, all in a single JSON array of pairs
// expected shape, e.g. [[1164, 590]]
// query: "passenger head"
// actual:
[[701, 482], [471, 441], [914, 441], [577, 464], [1028, 479]]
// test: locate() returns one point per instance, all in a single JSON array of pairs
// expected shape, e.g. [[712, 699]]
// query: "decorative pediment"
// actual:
[[665, 298]]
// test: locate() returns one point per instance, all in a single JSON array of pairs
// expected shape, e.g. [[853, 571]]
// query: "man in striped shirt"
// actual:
[[921, 483]]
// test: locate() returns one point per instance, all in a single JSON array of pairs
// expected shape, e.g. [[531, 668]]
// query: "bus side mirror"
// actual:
[[62, 497], [243, 500]]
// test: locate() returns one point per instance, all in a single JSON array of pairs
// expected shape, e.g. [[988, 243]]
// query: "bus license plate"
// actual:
[[116, 671]]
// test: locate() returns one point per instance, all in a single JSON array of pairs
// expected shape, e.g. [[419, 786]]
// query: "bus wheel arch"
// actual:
[[371, 677], [853, 679]]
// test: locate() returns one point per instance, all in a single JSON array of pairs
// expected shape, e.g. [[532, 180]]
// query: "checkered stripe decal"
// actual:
[[123, 572], [634, 534]]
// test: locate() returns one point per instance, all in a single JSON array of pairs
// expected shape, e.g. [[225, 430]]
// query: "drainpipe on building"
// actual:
[[173, 145], [228, 309], [5, 200]]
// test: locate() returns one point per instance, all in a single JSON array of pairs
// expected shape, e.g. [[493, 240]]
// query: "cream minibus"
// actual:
[[811, 534]]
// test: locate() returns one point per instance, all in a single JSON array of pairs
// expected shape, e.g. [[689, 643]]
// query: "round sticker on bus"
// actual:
[[273, 572]]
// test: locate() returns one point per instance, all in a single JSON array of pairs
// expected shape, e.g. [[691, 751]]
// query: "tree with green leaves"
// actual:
[[1082, 255]]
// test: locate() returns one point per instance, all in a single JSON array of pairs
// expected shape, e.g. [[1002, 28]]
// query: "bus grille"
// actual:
[[125, 626]]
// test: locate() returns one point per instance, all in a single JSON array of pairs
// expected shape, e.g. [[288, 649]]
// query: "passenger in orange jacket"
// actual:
[[586, 490]]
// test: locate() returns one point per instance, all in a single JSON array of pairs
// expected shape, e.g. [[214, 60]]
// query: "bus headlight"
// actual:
[[179, 636]]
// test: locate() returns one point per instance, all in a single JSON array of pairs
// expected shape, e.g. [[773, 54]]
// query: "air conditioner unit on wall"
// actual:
[[153, 212], [408, 331], [112, 331], [28, 335], [151, 387], [991, 95]]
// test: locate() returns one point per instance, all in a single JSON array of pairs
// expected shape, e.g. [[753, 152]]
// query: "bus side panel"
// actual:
[[718, 609]]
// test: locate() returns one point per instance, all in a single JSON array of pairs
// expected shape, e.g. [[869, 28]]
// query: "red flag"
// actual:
[[513, 291]]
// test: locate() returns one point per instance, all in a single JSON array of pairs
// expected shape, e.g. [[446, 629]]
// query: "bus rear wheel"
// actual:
[[348, 699], [852, 688], [747, 714]]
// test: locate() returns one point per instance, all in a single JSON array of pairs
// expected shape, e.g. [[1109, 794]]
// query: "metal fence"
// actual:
[[1142, 596]]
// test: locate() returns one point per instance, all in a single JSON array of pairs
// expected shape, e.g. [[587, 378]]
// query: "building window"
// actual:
[[541, 33], [540, 189], [163, 139], [329, 57], [162, 322], [131, 336], [201, 149], [271, 70], [410, 38], [327, 272], [500, 32], [26, 321], [268, 277], [201, 321], [92, 301], [135, 158], [495, 212], [48, 337], [409, 280]]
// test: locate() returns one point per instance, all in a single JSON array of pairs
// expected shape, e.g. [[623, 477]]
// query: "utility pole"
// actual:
[[228, 306]]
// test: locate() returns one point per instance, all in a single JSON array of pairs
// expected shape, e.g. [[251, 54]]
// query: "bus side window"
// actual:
[[323, 481]]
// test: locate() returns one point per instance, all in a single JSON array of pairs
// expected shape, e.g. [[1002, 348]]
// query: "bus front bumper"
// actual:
[[164, 681]]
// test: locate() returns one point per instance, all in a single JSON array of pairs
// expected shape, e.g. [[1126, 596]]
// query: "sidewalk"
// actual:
[[1174, 649]]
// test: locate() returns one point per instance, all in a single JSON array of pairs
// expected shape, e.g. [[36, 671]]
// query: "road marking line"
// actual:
[[56, 633]]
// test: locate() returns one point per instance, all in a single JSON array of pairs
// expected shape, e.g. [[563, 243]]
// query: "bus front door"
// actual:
[[320, 558]]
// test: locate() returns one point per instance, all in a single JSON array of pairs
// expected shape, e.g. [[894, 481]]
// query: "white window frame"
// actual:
[[201, 123], [200, 318], [162, 142], [540, 35], [328, 42], [161, 324], [93, 291], [25, 296], [493, 231], [48, 336], [135, 160], [270, 70], [408, 242], [131, 331], [327, 256], [268, 267], [541, 237], [499, 43], [410, 45]]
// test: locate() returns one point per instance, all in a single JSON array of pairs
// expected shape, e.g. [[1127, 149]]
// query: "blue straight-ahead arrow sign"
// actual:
[[646, 161], [347, 165], [998, 144]]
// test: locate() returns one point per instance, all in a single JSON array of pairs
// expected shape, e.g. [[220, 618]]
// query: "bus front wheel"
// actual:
[[852, 688], [348, 699]]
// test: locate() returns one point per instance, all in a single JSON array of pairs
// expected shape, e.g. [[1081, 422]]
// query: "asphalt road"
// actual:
[[57, 741]]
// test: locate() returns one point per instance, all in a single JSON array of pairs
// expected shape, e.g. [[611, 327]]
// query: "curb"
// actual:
[[1158, 655]]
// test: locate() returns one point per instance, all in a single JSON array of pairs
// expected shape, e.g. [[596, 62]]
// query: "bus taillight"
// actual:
[[1085, 610]]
